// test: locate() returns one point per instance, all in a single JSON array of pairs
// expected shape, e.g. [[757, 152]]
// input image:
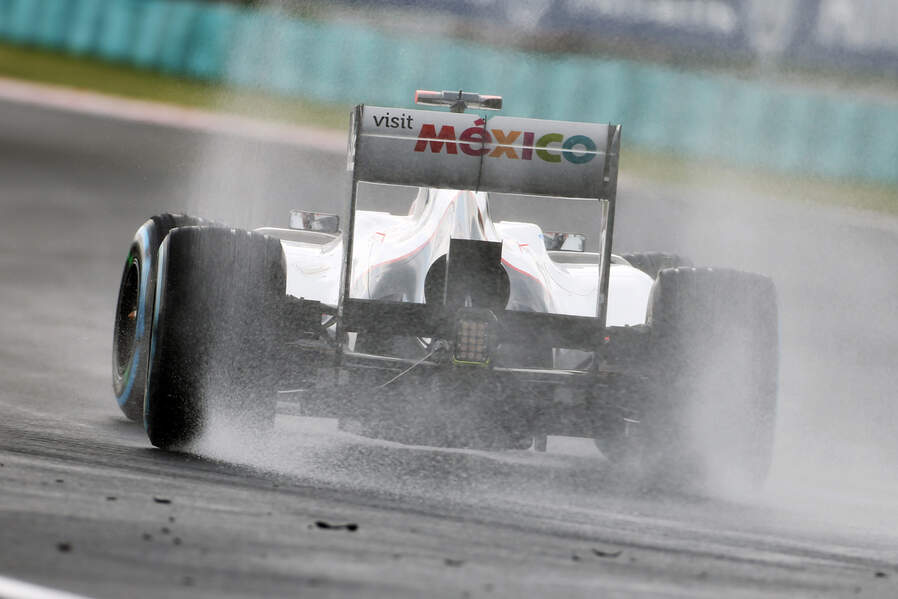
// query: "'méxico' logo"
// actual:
[[577, 149]]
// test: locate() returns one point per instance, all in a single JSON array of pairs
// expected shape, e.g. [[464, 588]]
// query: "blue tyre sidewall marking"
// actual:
[[146, 265], [160, 282], [144, 283]]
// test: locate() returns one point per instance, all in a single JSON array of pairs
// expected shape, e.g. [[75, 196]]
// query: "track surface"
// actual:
[[87, 506]]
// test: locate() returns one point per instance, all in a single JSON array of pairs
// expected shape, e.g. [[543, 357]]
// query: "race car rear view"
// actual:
[[444, 327]]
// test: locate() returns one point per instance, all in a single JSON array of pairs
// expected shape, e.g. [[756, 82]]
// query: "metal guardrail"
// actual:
[[698, 115]]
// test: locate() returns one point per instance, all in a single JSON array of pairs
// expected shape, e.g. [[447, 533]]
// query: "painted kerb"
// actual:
[[746, 123]]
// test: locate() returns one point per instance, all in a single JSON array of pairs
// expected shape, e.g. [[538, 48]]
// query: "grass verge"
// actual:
[[86, 73]]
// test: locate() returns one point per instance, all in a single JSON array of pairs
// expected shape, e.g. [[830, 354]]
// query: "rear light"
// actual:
[[475, 336]]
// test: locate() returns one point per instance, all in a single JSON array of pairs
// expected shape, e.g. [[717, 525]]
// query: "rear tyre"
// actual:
[[213, 353], [712, 410], [651, 263], [134, 311]]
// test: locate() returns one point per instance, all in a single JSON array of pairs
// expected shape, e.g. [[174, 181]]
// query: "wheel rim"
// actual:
[[126, 315]]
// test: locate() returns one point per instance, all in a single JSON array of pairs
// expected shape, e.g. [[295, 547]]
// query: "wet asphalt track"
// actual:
[[87, 506]]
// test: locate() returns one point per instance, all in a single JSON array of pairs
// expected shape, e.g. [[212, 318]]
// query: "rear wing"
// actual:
[[471, 151], [426, 148]]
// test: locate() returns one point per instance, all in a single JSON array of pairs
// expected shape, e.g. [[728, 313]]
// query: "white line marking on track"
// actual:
[[170, 115], [10, 588]]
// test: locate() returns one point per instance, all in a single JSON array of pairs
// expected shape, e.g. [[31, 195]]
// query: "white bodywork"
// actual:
[[570, 280]]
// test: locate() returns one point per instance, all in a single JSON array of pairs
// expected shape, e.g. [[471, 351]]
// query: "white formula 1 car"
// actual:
[[443, 327]]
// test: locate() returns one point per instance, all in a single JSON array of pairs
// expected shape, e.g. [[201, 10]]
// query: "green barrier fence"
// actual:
[[697, 115]]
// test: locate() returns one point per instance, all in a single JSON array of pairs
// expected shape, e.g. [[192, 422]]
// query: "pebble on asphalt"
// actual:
[[350, 526]]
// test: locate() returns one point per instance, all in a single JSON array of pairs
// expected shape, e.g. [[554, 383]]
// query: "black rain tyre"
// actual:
[[651, 263], [612, 435], [215, 327], [134, 311], [712, 412]]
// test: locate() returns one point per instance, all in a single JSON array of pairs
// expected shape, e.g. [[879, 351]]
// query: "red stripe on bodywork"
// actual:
[[523, 272]]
